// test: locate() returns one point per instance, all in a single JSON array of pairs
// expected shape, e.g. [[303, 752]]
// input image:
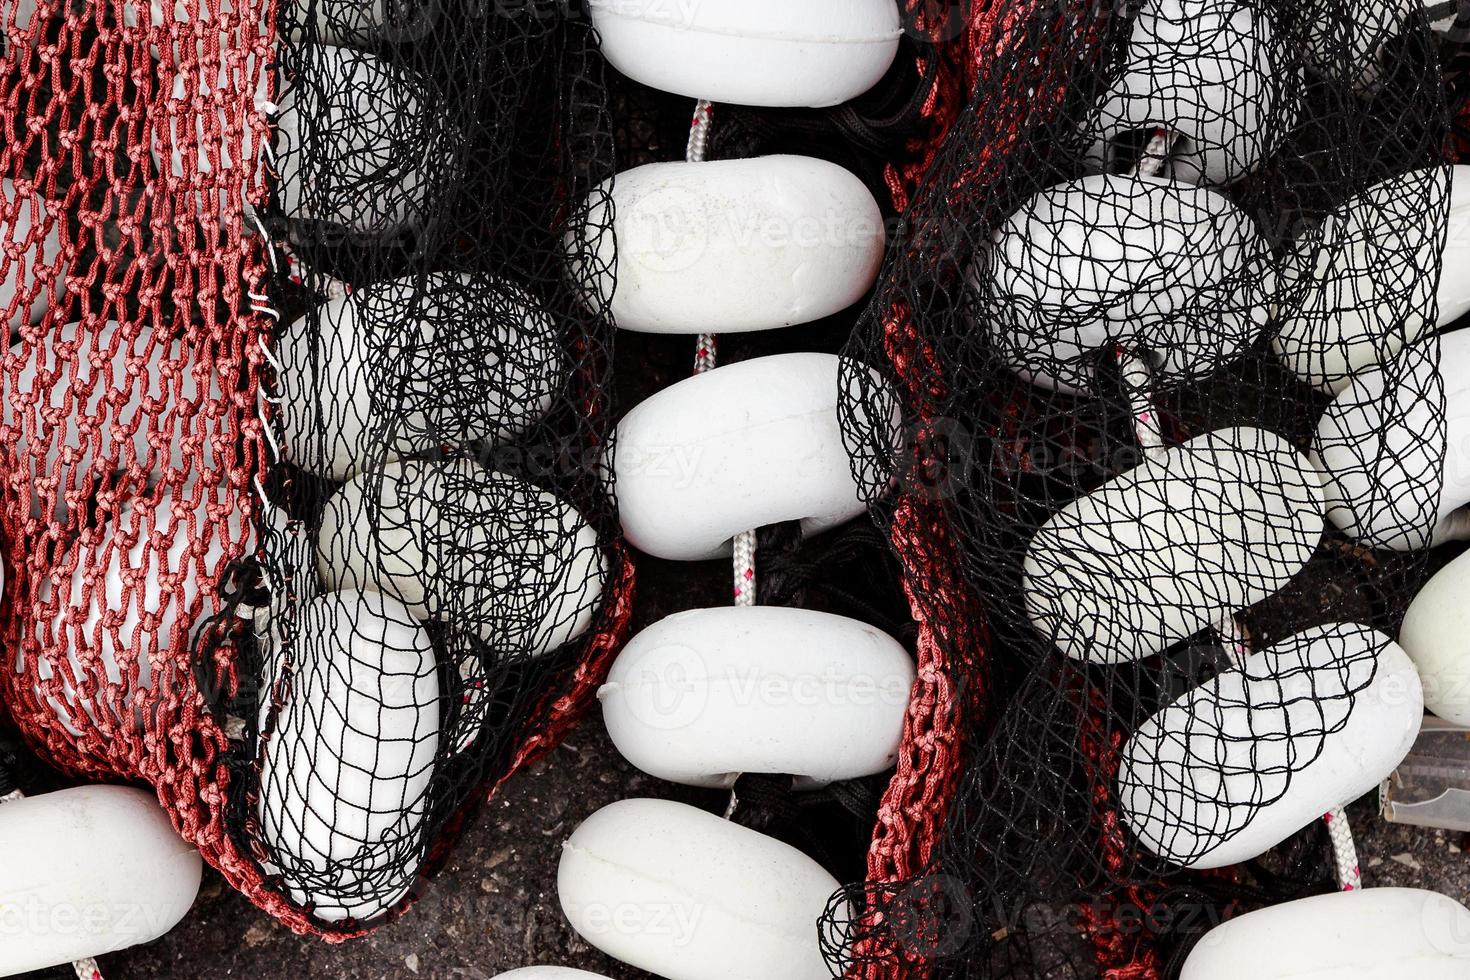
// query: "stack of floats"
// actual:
[[326, 548], [1189, 227], [706, 695]]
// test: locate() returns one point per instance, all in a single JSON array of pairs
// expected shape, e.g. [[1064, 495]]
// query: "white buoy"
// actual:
[[1363, 284], [411, 365], [1345, 43], [703, 696], [88, 401], [89, 871], [145, 583], [751, 52], [1258, 752], [1175, 274], [1366, 934], [1435, 632], [346, 768], [1208, 72], [678, 892], [730, 246], [753, 443], [1395, 446], [1173, 546], [358, 145], [39, 268], [549, 973], [452, 541]]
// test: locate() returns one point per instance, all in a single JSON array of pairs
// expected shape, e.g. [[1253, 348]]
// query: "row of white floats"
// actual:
[[703, 696]]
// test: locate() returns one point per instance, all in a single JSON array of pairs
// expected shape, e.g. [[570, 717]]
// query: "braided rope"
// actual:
[[1344, 850]]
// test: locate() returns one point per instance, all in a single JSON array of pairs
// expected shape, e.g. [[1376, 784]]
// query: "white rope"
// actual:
[[1344, 850]]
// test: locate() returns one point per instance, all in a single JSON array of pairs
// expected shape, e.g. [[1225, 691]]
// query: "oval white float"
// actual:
[[1171, 272], [1208, 71], [144, 583], [1174, 545], [1393, 446], [1247, 759], [681, 893], [749, 444], [732, 245], [1389, 933], [1434, 635], [410, 365], [1362, 295], [369, 168], [705, 695], [548, 973], [345, 770], [39, 268], [751, 52], [450, 540], [61, 403], [89, 871]]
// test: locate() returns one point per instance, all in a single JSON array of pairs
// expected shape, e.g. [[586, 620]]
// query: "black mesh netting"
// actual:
[[1163, 312], [436, 558]]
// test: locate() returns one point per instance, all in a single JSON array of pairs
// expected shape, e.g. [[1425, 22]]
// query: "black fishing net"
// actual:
[[437, 575], [1163, 313]]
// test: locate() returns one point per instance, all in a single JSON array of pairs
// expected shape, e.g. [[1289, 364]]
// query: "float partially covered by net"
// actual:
[[1164, 321]]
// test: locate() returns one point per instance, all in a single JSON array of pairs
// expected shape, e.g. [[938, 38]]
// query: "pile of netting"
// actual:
[[1162, 313], [305, 520]]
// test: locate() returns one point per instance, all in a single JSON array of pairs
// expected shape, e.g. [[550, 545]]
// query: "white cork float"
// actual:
[[1435, 632], [79, 403], [1174, 274], [348, 756], [1260, 751], [88, 871], [358, 377], [732, 245], [1358, 297], [549, 973], [369, 166], [1174, 545], [751, 52], [729, 902], [1207, 72], [1378, 933], [450, 539], [144, 584], [703, 696], [1394, 445], [753, 443]]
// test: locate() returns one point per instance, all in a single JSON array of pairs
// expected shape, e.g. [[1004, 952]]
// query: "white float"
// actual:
[[89, 871], [1395, 446], [453, 541], [1169, 272], [136, 585], [549, 973], [61, 398], [1346, 42], [1173, 546], [1367, 934], [1436, 635], [1364, 281], [751, 52], [373, 375], [703, 696], [728, 246], [38, 269], [1258, 752], [1203, 70], [345, 772], [372, 149], [681, 893], [749, 444]]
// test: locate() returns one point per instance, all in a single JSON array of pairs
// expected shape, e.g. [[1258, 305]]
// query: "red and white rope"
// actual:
[[1344, 850]]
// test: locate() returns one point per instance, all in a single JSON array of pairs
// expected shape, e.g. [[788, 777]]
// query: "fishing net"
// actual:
[[1162, 316], [305, 516]]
